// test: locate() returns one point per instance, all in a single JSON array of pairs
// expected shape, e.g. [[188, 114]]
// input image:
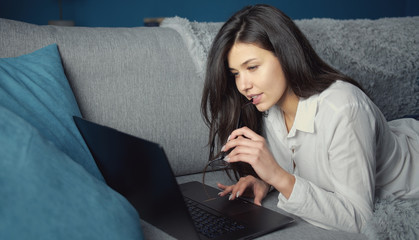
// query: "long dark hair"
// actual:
[[269, 28]]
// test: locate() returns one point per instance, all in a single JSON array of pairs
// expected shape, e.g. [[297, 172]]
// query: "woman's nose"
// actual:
[[243, 82]]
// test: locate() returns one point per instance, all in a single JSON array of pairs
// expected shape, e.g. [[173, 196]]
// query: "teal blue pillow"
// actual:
[[34, 87], [46, 195]]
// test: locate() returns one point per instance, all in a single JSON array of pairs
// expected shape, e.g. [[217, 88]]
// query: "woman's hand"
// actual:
[[251, 148], [258, 189]]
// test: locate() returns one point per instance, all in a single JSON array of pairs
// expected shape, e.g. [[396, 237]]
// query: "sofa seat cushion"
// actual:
[[34, 87], [47, 195]]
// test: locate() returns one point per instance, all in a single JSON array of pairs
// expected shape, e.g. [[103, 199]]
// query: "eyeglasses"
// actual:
[[220, 162]]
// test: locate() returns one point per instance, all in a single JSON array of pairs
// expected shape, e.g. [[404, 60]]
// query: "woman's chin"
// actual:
[[261, 108]]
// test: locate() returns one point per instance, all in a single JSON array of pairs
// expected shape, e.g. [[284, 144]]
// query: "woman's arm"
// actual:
[[351, 144]]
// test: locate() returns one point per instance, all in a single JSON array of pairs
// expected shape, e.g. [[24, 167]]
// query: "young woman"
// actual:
[[312, 133]]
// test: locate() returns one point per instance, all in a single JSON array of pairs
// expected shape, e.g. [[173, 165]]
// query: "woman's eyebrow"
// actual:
[[244, 63], [247, 61]]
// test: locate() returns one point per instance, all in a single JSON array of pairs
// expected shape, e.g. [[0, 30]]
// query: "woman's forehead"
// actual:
[[243, 53]]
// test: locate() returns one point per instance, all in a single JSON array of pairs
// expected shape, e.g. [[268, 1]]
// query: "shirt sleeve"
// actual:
[[350, 140]]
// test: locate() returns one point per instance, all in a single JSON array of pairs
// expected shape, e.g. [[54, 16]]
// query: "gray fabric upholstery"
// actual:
[[382, 55], [137, 80]]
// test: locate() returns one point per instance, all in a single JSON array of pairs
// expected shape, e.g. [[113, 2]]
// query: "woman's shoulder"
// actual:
[[343, 99], [342, 93]]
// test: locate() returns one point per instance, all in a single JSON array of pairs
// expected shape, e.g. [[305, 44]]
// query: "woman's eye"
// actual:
[[234, 74], [251, 68]]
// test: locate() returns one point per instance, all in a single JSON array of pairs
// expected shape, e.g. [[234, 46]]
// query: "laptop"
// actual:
[[140, 171]]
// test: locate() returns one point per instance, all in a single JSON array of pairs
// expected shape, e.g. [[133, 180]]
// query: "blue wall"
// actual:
[[128, 13]]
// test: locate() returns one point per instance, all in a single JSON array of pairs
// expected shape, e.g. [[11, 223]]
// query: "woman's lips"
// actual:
[[256, 99]]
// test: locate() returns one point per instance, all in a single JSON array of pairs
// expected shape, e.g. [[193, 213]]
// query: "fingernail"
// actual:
[[222, 149], [228, 139], [237, 194], [231, 196], [226, 158], [219, 194]]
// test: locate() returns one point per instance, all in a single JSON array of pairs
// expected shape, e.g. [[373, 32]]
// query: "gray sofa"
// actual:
[[148, 82]]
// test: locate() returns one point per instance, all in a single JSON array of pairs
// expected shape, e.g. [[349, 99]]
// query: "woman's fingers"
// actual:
[[242, 147], [260, 193], [245, 150], [258, 201], [243, 154], [243, 137], [235, 190], [222, 186], [226, 189], [245, 132], [256, 187], [241, 188]]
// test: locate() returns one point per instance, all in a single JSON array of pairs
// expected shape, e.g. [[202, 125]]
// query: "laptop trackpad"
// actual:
[[231, 208], [208, 196]]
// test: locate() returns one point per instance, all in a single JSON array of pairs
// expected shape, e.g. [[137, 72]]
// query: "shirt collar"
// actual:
[[306, 112], [304, 118]]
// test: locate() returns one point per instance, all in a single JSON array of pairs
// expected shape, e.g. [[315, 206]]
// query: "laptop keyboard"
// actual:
[[210, 225]]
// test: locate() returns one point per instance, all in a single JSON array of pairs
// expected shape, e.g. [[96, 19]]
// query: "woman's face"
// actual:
[[258, 75]]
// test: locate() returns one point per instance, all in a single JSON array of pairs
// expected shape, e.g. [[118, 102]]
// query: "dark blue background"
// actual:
[[129, 13]]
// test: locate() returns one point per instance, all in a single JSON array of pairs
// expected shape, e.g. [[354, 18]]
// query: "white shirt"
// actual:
[[345, 152]]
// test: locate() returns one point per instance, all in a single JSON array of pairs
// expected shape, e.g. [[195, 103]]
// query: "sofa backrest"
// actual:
[[138, 80]]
